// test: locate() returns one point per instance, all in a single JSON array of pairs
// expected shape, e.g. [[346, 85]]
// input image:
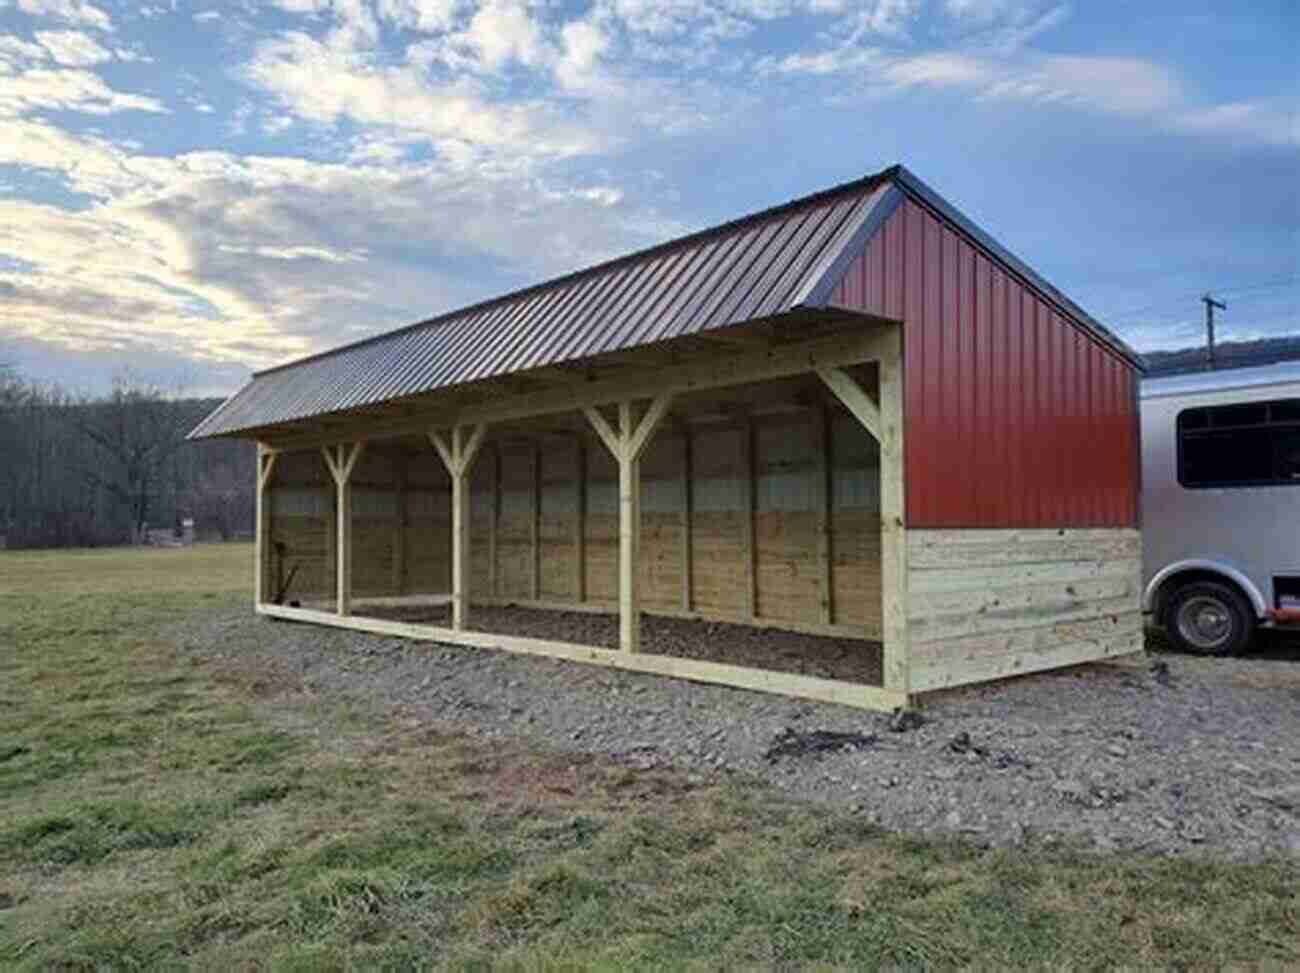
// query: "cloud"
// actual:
[[66, 89], [322, 84], [502, 32], [1265, 120], [257, 259], [72, 11], [73, 48], [16, 52]]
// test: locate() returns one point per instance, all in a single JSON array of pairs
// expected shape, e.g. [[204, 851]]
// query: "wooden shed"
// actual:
[[852, 426]]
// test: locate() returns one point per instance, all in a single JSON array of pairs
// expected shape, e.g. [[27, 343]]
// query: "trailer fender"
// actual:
[[1206, 566]]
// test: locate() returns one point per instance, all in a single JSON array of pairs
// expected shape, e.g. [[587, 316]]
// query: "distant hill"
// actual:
[[1228, 354]]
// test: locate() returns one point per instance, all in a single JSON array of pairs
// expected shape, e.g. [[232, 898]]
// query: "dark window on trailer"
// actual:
[[1251, 444]]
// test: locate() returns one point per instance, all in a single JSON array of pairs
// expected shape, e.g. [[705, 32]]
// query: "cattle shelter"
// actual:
[[852, 433]]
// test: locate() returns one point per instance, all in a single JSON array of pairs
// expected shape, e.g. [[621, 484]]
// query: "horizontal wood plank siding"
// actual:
[[986, 603]]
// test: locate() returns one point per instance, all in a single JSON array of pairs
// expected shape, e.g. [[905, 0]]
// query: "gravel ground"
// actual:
[[1197, 757]]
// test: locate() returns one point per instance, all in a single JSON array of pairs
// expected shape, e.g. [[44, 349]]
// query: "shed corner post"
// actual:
[[895, 596], [265, 468], [884, 420]]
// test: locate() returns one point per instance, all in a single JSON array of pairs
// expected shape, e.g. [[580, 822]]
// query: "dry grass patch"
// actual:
[[157, 811]]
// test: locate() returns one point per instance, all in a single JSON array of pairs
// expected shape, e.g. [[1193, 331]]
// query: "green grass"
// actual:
[[158, 811]]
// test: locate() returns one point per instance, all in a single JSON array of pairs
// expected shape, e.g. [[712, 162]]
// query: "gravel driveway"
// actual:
[[1201, 756]]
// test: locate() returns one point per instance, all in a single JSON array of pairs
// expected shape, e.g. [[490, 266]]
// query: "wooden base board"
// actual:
[[739, 677]]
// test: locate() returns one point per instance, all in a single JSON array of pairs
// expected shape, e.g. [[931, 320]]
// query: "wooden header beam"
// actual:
[[692, 375]]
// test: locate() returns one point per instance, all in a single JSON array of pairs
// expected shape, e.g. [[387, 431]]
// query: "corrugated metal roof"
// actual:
[[762, 265], [756, 267]]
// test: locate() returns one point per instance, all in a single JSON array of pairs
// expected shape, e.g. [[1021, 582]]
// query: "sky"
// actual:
[[190, 191]]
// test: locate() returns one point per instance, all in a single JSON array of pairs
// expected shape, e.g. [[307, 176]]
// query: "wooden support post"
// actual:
[[399, 524], [747, 521], [458, 456], [885, 422], [261, 548], [341, 461], [629, 538], [823, 497], [627, 444], [580, 522], [494, 521], [893, 531], [687, 459], [535, 526]]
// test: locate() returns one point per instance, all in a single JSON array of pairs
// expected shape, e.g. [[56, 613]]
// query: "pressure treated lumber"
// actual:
[[265, 469], [885, 422], [342, 460], [458, 456], [626, 445], [991, 603], [740, 677], [863, 344]]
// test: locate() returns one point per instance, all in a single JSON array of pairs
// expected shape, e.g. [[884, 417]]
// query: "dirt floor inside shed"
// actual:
[[848, 659]]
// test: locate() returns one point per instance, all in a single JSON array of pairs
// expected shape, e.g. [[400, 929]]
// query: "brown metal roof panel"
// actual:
[[497, 346], [630, 321], [794, 238], [781, 286], [685, 290], [603, 331], [704, 314], [704, 279], [454, 345], [677, 279], [388, 373], [587, 325], [773, 252]]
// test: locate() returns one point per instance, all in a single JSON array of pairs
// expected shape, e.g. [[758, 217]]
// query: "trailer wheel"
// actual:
[[1209, 618]]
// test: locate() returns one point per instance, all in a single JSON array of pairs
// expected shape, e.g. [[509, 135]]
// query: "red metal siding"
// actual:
[[1015, 417]]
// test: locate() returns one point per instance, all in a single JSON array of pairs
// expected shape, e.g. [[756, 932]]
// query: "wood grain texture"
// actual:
[[986, 604]]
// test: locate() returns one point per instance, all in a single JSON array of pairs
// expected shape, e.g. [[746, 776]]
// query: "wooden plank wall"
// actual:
[[990, 603], [761, 492]]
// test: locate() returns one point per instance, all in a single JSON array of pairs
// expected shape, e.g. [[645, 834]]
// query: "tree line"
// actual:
[[78, 471]]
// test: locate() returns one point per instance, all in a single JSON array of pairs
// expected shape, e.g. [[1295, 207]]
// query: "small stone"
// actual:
[[1117, 750], [1286, 798], [904, 719], [953, 819], [1163, 823]]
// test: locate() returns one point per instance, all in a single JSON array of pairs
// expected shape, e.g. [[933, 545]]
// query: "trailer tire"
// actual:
[[1209, 618]]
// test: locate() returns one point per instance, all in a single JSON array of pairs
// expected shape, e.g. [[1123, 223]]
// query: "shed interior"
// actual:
[[759, 507]]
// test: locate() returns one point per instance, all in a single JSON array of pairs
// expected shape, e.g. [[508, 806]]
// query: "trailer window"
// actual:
[[1252, 444]]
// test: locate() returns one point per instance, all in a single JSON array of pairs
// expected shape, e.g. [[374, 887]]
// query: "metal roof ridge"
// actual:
[[861, 184]]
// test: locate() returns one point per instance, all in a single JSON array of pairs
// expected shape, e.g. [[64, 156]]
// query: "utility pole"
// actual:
[[1210, 305]]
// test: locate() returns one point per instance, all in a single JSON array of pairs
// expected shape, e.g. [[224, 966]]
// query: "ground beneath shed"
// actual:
[[852, 660], [1200, 757]]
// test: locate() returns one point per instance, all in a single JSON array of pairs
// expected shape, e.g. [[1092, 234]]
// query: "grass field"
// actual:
[[158, 810]]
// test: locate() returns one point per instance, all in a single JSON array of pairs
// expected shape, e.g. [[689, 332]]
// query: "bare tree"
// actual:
[[136, 430]]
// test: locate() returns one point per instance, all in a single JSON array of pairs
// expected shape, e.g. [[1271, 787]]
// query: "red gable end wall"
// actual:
[[1015, 417]]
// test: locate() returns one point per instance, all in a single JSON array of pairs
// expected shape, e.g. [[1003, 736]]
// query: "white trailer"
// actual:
[[1221, 504]]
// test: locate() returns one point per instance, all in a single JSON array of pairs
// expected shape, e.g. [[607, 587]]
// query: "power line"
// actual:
[[1190, 296]]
